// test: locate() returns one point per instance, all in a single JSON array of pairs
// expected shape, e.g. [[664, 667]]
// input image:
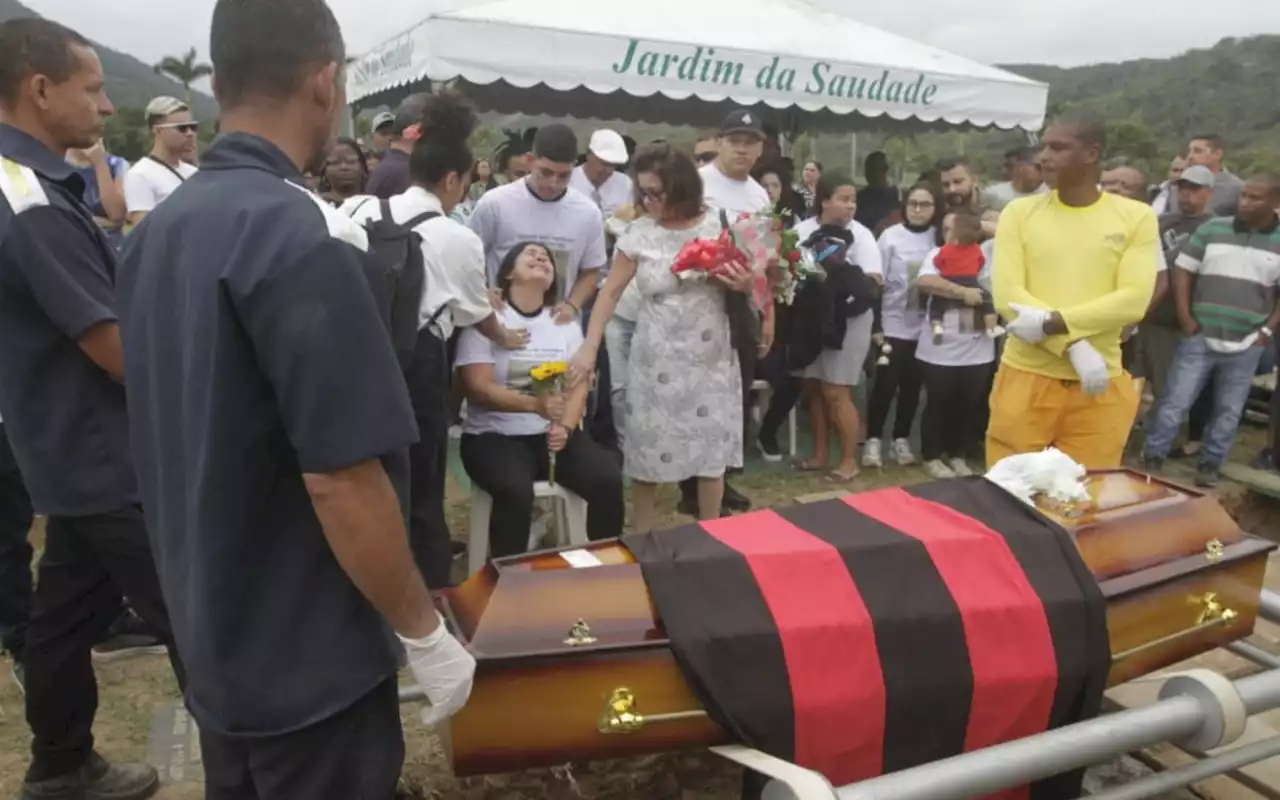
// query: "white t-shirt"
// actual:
[[865, 252], [1002, 194], [452, 259], [615, 191], [958, 348], [721, 192], [902, 252], [547, 342], [148, 183], [571, 227]]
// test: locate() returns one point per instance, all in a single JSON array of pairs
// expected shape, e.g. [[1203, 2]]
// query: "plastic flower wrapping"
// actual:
[[752, 240], [795, 265], [790, 274]]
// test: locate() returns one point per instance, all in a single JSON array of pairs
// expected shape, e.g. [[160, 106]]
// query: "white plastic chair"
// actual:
[[570, 514]]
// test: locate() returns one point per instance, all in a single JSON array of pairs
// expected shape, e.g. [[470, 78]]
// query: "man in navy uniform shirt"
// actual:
[[64, 408], [271, 424]]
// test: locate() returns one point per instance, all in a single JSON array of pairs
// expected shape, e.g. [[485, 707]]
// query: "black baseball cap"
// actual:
[[742, 120]]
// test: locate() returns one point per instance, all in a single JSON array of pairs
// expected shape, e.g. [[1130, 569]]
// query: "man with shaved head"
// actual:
[[1120, 176], [1072, 269]]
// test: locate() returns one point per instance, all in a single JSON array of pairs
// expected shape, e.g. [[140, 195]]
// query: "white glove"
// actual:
[[1029, 324], [444, 671], [1090, 366]]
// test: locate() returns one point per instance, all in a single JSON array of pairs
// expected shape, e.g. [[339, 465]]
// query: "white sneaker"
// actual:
[[871, 454], [937, 470], [960, 468], [902, 453]]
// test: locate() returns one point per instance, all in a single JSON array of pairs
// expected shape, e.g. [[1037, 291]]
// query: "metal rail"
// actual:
[[1192, 773], [1254, 653], [1025, 760], [1270, 607]]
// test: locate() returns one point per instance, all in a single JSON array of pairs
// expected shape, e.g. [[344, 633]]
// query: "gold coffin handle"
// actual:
[[1212, 615], [620, 714]]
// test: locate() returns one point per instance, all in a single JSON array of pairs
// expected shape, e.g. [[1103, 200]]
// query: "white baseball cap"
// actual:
[[609, 147]]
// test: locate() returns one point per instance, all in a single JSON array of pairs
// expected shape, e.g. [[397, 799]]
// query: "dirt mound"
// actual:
[[1255, 513]]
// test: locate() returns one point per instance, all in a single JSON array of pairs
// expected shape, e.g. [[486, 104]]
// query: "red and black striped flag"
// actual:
[[891, 628]]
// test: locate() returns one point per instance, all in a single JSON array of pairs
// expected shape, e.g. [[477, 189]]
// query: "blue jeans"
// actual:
[[1193, 364]]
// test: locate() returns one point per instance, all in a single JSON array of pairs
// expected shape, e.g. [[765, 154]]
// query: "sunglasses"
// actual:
[[706, 158], [182, 127]]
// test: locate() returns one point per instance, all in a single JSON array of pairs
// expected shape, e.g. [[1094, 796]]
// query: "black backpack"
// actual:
[[397, 275]]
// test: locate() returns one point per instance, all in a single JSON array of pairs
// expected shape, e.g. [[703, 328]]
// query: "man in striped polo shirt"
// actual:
[[1224, 288]]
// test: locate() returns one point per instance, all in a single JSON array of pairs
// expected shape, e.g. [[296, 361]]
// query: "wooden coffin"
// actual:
[[573, 664]]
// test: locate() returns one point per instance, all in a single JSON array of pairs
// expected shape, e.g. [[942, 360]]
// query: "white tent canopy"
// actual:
[[658, 58]]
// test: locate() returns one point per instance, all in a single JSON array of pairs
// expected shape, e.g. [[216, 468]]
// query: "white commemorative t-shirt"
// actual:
[[721, 192], [865, 252], [959, 348], [148, 183], [614, 192], [547, 342], [571, 227], [902, 252]]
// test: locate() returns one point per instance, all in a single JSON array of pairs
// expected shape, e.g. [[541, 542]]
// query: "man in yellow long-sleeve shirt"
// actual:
[[1071, 269]]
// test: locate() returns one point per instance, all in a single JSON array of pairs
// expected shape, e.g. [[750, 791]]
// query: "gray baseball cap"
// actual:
[[1198, 176]]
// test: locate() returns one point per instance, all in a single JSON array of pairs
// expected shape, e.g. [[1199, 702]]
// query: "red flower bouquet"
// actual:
[[751, 241]]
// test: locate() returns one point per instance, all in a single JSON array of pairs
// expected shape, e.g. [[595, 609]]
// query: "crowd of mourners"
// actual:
[[239, 467]]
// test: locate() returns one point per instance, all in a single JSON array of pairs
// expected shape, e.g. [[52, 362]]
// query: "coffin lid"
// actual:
[[1135, 531]]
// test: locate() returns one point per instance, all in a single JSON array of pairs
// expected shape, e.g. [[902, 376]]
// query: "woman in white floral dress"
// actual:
[[684, 390]]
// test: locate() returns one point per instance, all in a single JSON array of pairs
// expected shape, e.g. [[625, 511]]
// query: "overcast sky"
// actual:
[[991, 31]]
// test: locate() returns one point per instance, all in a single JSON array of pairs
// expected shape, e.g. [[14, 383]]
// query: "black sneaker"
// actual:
[[735, 500], [769, 449], [1207, 477], [97, 780], [1152, 465], [128, 637]]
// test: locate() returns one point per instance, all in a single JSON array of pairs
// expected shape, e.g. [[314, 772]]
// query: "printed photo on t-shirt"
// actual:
[[562, 256], [914, 302], [523, 361]]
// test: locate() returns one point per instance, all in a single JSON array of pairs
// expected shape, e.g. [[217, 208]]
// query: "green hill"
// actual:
[[1152, 108], [130, 83], [1224, 89]]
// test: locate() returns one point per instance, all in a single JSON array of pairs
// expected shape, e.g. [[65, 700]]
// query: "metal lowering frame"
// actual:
[[1200, 709]]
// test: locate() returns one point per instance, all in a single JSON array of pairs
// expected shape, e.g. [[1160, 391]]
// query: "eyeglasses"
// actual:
[[705, 158], [182, 127], [652, 194]]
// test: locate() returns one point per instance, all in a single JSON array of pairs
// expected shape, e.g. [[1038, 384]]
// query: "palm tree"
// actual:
[[185, 70]]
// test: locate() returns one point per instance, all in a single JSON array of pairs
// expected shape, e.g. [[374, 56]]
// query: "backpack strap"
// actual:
[[421, 218], [175, 173], [384, 207], [363, 203]]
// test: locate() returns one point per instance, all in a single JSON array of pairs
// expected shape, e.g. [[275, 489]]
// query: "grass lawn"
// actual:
[[132, 691]]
